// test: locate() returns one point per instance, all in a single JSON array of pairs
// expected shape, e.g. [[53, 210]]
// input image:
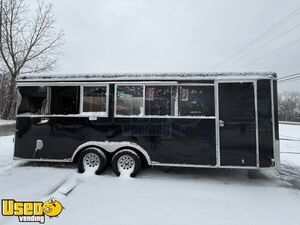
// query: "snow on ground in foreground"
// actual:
[[7, 122], [6, 155], [181, 196]]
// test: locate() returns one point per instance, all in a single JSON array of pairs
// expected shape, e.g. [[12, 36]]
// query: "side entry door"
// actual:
[[237, 124]]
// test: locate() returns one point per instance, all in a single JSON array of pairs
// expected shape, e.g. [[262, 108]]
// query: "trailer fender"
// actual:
[[111, 147]]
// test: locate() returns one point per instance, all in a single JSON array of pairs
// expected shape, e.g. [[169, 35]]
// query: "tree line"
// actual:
[[289, 106]]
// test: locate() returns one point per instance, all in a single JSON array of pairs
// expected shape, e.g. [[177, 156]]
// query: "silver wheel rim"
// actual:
[[91, 160], [125, 163]]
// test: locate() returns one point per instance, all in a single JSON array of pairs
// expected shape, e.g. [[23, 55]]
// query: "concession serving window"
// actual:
[[65, 100], [94, 100], [147, 100], [196, 101], [33, 100]]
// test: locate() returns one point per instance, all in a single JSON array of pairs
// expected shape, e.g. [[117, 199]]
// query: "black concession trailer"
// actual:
[[211, 120]]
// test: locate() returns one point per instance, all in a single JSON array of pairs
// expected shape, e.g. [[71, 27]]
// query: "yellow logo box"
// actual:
[[11, 207], [31, 211]]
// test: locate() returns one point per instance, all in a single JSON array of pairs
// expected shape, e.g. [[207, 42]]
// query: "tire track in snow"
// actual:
[[66, 186], [290, 174]]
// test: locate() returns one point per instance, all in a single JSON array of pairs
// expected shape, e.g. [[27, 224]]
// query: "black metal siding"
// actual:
[[190, 141], [264, 103]]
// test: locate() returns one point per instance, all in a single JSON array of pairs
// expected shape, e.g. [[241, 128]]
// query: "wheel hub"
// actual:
[[126, 162], [91, 160]]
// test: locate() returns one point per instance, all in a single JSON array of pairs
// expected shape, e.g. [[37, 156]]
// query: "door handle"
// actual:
[[221, 123]]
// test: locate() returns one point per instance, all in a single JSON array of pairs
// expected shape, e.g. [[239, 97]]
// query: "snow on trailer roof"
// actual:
[[145, 76]]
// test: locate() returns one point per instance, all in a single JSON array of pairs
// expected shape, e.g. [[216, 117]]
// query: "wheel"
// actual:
[[92, 159], [126, 162]]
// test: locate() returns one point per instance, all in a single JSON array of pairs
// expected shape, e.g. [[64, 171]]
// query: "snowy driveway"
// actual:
[[181, 196]]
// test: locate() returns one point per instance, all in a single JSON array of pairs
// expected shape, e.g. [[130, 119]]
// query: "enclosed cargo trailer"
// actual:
[[210, 120]]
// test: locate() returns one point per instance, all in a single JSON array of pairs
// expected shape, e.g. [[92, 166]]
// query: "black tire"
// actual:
[[130, 153], [101, 156]]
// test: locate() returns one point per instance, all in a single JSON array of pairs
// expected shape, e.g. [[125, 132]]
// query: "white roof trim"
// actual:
[[144, 76]]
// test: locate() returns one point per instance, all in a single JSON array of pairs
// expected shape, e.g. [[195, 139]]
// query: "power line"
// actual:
[[291, 75], [261, 36], [289, 80], [271, 53], [263, 45]]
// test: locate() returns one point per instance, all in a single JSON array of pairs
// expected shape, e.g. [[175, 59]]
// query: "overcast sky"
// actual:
[[177, 36]]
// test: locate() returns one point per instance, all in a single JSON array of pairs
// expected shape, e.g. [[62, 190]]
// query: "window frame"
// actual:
[[77, 84], [18, 95], [96, 114], [122, 83], [198, 84], [176, 109], [51, 86], [175, 103], [115, 100]]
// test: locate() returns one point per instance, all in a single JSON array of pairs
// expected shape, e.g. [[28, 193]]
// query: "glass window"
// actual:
[[65, 100], [33, 101], [196, 101], [160, 100], [129, 100], [94, 99]]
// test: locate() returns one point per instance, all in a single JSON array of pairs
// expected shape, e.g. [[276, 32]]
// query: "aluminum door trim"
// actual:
[[218, 146]]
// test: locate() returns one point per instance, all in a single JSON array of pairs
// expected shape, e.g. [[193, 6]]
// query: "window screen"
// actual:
[[94, 99], [196, 101], [129, 100], [65, 100], [160, 100], [33, 101]]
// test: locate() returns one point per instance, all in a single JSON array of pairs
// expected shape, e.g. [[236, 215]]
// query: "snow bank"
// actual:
[[6, 154], [290, 144], [7, 122]]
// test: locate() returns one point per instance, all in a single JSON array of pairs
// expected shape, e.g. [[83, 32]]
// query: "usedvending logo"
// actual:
[[31, 211]]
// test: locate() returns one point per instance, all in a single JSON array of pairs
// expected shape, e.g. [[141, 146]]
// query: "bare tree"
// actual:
[[289, 106], [29, 43], [4, 84]]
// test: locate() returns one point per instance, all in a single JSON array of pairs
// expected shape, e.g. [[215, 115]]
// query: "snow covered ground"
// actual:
[[181, 196], [290, 144], [7, 122]]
